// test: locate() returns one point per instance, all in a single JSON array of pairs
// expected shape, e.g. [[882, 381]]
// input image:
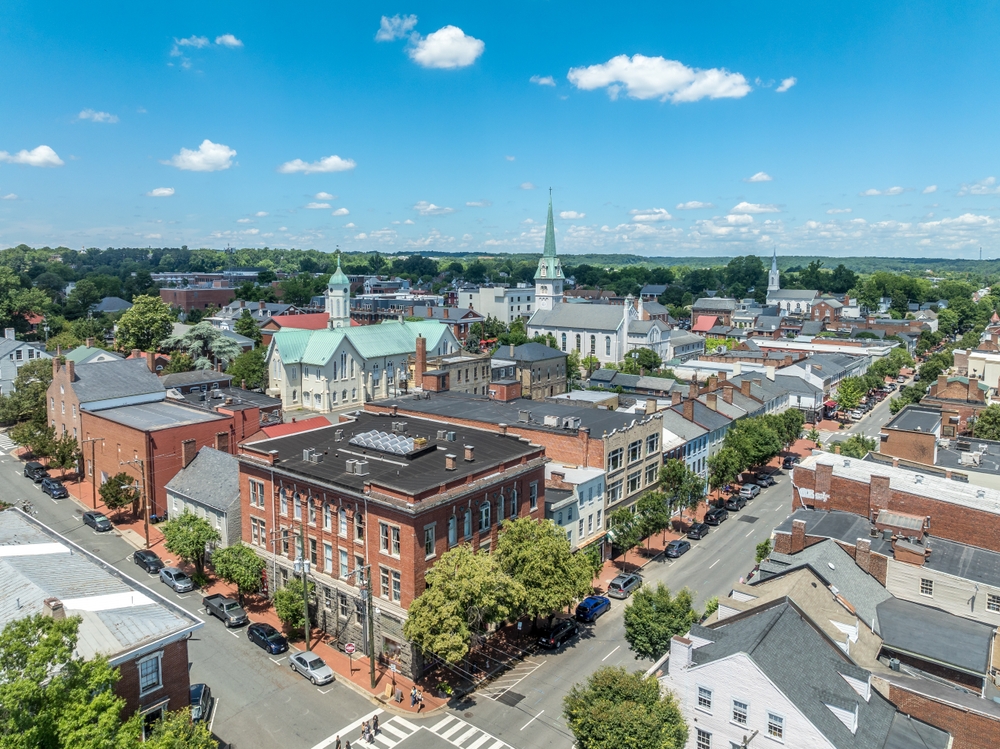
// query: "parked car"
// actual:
[[749, 491], [857, 415], [765, 480], [697, 531], [148, 560], [312, 667], [176, 579], [267, 637], [563, 630], [97, 521], [736, 503], [201, 702], [35, 471], [226, 609], [54, 488], [789, 461], [623, 585], [716, 515], [900, 379], [592, 607], [678, 547]]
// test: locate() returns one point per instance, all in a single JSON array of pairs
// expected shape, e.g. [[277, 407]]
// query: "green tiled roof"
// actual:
[[552, 267], [390, 338], [81, 353]]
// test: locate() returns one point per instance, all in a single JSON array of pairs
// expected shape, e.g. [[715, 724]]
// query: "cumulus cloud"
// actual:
[[324, 196], [929, 189], [153, 236], [739, 219], [41, 156], [244, 221], [834, 211], [693, 205], [160, 192], [986, 186], [228, 40], [509, 158], [446, 48], [571, 215], [527, 186], [429, 209], [650, 215], [543, 80], [95, 116], [397, 27], [349, 225], [9, 196], [872, 192], [658, 78], [341, 212], [328, 164], [479, 203], [198, 42], [260, 214], [745, 207], [786, 84], [317, 206], [759, 177], [210, 157]]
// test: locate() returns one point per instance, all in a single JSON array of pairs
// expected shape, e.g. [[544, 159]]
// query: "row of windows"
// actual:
[[739, 714], [593, 344], [634, 452], [32, 354], [992, 599]]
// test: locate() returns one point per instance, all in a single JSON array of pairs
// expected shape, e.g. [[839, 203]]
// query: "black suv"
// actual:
[[54, 488], [563, 630], [697, 531], [148, 560], [736, 502], [35, 471], [716, 515]]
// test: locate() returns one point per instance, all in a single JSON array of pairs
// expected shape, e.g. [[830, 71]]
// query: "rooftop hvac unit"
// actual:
[[351, 465], [361, 467], [338, 435], [551, 421], [442, 434], [312, 455], [571, 422], [451, 436], [524, 416]]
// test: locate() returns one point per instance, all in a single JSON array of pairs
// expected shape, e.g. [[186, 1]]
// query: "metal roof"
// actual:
[[582, 317], [389, 338], [211, 479], [158, 415], [936, 635]]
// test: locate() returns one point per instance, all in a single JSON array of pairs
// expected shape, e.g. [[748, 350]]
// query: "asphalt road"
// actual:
[[871, 423]]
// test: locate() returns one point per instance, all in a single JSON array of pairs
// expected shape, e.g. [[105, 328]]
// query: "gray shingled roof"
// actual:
[[211, 479], [606, 317], [112, 304], [529, 352], [115, 379], [710, 303]]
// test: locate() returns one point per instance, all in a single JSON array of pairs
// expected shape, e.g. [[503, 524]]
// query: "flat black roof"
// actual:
[[915, 419], [241, 399], [422, 470]]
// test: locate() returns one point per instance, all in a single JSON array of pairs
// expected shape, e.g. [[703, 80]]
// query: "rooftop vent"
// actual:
[[451, 436], [524, 416], [351, 464], [442, 434], [470, 453], [383, 442], [571, 422], [918, 479], [361, 468], [450, 462], [981, 493], [551, 421], [338, 435]]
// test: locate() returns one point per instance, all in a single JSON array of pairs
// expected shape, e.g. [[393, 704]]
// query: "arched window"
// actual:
[[563, 341], [577, 341], [607, 345], [295, 395], [593, 344], [333, 376]]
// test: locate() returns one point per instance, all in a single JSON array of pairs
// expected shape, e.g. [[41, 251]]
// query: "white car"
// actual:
[[856, 415], [312, 667]]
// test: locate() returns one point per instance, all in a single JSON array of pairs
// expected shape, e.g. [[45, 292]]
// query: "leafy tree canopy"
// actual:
[[145, 325], [240, 565], [250, 367], [187, 536], [654, 616]]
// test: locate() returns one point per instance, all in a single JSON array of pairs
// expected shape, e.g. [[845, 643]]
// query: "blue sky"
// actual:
[[662, 128]]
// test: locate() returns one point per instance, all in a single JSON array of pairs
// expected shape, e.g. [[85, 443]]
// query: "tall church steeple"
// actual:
[[338, 299], [773, 278], [549, 277]]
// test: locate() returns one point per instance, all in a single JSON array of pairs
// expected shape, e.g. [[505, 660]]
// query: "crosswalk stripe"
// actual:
[[448, 719], [453, 729], [498, 745], [382, 738], [479, 742], [393, 730], [406, 724], [466, 735]]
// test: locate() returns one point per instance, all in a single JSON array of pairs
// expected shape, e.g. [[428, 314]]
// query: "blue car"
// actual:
[[592, 607]]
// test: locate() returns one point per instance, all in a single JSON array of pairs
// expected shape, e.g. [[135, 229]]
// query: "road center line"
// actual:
[[531, 721], [715, 562], [609, 654], [748, 535]]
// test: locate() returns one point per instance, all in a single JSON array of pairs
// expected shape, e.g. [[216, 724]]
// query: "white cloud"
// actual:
[[429, 209], [571, 215], [210, 157], [328, 164], [198, 42], [228, 40], [154, 236], [317, 206], [929, 189], [834, 211], [160, 192], [760, 177], [527, 186], [250, 232], [786, 84], [341, 212], [509, 158], [745, 207], [658, 78], [260, 214], [871, 192], [448, 47], [739, 219], [391, 29], [40, 156], [95, 116], [479, 203], [349, 225], [543, 80], [650, 215], [244, 221], [9, 196], [324, 196], [409, 221], [986, 186], [693, 205]]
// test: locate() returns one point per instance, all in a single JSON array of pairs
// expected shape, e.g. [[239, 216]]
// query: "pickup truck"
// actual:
[[226, 609]]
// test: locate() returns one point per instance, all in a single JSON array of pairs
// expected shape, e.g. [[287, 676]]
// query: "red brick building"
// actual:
[[188, 298], [386, 495], [964, 396]]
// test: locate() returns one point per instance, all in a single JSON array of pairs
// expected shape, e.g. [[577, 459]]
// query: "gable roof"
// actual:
[[211, 479], [705, 416], [715, 303], [389, 338], [604, 317], [534, 351], [311, 321], [112, 304], [115, 379], [84, 354], [642, 327], [704, 323], [793, 294], [194, 377]]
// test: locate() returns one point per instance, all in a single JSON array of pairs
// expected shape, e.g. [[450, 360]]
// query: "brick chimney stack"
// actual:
[[90, 343], [675, 397], [689, 410], [151, 361], [421, 360], [713, 401], [189, 448], [798, 536]]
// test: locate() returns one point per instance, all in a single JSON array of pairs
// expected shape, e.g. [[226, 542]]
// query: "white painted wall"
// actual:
[[955, 595]]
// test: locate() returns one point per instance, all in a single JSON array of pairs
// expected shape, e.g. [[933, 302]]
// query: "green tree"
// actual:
[[625, 530], [857, 446], [65, 452], [288, 604], [179, 362], [537, 555], [176, 731], [466, 591], [792, 422], [27, 402], [684, 488], [240, 565], [653, 514], [711, 606], [850, 392], [17, 299], [592, 557], [120, 491], [987, 423], [573, 365], [907, 395], [754, 441], [591, 363], [614, 709], [188, 536], [644, 359], [723, 468], [762, 550], [246, 326], [654, 616], [145, 325], [249, 367], [38, 438], [205, 344]]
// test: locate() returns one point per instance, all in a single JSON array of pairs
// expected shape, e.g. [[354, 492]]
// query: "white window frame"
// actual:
[[745, 710], [993, 602], [927, 587], [702, 698], [775, 726], [157, 657]]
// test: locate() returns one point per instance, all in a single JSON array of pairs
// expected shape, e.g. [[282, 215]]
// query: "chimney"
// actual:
[[151, 361], [90, 343], [650, 405], [430, 312], [675, 397], [8, 333], [942, 383], [53, 607], [787, 361], [713, 383], [689, 410], [71, 371], [189, 448], [798, 536], [421, 360], [242, 303], [693, 389], [135, 354], [444, 311], [680, 653], [727, 395], [973, 393], [512, 347], [863, 554], [503, 429], [713, 401], [243, 384], [260, 306], [470, 453], [450, 462], [756, 381], [745, 387], [722, 377]]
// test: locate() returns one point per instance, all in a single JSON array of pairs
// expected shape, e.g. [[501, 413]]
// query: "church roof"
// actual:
[[548, 261], [582, 317], [389, 338], [339, 278]]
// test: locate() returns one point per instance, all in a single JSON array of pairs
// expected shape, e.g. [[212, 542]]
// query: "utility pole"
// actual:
[[93, 464], [370, 616], [302, 564], [143, 491]]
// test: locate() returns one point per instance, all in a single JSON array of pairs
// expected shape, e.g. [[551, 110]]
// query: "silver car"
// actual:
[[176, 579], [312, 667]]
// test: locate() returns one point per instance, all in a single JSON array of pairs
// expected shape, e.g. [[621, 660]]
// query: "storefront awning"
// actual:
[[830, 404]]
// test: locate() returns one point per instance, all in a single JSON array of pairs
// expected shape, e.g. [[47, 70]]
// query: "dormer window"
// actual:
[[544, 271]]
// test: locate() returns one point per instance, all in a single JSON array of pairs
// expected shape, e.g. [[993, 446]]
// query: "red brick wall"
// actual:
[[60, 400], [968, 730], [909, 446], [189, 299], [174, 673]]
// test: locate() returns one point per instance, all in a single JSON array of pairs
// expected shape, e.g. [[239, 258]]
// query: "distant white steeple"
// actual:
[[773, 278], [549, 276], [338, 299]]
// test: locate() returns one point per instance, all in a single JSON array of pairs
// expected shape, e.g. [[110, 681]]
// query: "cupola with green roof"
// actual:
[[549, 277], [338, 298]]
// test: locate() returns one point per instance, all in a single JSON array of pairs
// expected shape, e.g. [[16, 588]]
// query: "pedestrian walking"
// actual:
[[413, 696], [420, 701], [347, 744], [375, 724], [337, 746]]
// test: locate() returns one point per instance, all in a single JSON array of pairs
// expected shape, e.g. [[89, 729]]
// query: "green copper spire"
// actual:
[[339, 278], [550, 232], [548, 264]]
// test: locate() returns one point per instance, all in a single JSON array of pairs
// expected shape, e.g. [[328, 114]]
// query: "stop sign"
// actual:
[[349, 648]]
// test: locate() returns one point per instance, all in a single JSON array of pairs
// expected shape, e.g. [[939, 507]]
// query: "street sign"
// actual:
[[349, 648], [393, 667]]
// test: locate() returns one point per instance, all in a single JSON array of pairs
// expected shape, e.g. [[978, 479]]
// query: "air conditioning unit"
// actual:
[[351, 465], [551, 421], [451, 436], [361, 467], [312, 455], [442, 434]]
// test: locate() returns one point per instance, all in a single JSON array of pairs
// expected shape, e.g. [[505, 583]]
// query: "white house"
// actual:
[[209, 487], [578, 506], [13, 355], [505, 303]]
